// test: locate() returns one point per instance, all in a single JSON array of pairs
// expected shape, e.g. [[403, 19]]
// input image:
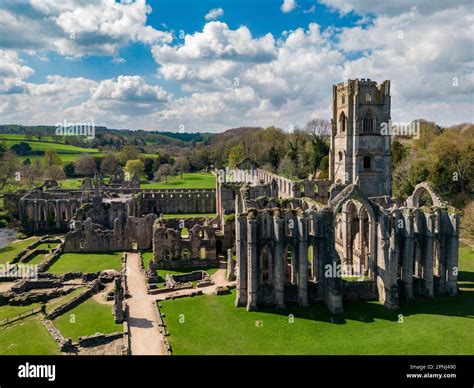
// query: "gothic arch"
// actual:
[[424, 187], [342, 122]]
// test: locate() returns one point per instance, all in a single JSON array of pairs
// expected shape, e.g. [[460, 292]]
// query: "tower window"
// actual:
[[368, 123], [343, 99], [340, 156], [342, 122], [368, 97], [366, 162]]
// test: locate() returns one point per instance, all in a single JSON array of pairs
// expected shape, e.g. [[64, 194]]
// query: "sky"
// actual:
[[207, 66]]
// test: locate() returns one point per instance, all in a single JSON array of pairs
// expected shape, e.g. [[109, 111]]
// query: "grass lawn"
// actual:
[[35, 259], [192, 180], [10, 251], [8, 311], [191, 215], [147, 257], [53, 303], [43, 246], [88, 318], [443, 325], [86, 262], [71, 183], [27, 336]]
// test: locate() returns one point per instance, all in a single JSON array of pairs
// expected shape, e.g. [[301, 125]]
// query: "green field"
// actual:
[[192, 180], [443, 325], [25, 337], [190, 215], [53, 303], [86, 262], [10, 251], [8, 311], [147, 257], [88, 318]]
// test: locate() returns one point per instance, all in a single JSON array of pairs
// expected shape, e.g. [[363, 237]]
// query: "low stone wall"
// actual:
[[98, 339], [162, 329], [27, 285], [65, 344], [186, 263], [75, 301]]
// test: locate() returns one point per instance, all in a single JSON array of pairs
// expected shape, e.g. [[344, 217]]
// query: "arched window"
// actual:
[[343, 99], [265, 262], [368, 97], [289, 275], [311, 271], [340, 156], [342, 122], [369, 122]]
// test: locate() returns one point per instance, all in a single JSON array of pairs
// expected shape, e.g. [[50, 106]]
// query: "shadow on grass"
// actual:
[[461, 305]]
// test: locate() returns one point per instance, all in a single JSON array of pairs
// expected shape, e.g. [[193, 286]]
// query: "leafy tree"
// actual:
[[85, 166], [51, 158], [162, 173], [9, 166], [135, 167], [181, 165], [109, 164], [288, 167], [236, 154], [69, 169], [21, 148]]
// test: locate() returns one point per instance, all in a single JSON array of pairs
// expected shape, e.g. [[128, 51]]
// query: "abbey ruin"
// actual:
[[292, 241]]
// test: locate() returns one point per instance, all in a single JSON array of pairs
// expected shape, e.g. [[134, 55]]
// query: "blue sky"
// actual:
[[262, 62]]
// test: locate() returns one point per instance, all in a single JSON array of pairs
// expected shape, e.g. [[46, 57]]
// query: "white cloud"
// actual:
[[214, 14], [311, 9], [288, 6], [76, 27]]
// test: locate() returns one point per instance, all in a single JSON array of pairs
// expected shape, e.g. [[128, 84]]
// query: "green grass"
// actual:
[[8, 311], [71, 183], [43, 246], [190, 215], [35, 259], [147, 257], [53, 303], [10, 251], [196, 180], [443, 325], [44, 145], [86, 262], [88, 318], [26, 337]]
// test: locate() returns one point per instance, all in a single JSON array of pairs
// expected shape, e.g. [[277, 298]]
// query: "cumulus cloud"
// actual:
[[76, 27], [214, 14], [288, 6]]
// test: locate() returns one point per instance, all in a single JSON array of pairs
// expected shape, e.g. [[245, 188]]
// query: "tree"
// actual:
[[30, 173], [69, 169], [109, 165], [85, 166], [51, 158], [135, 167], [9, 166], [162, 173], [181, 165], [54, 172], [128, 153], [21, 149], [236, 154], [288, 167]]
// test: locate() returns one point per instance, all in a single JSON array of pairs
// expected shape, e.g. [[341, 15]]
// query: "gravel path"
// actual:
[[144, 333]]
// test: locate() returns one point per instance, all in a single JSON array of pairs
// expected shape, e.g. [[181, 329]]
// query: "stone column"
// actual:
[[252, 266], [428, 256], [302, 237], [279, 233], [241, 264], [407, 269], [453, 252], [230, 266]]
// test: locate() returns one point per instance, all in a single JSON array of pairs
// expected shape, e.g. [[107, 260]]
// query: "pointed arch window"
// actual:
[[369, 122], [342, 122]]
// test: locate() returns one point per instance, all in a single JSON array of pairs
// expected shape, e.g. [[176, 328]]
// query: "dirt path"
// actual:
[[144, 333]]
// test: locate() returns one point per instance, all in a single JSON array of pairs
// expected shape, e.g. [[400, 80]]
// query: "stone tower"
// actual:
[[360, 153]]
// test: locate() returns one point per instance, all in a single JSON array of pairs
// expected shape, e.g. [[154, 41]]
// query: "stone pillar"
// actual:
[[302, 237], [453, 252], [241, 264], [230, 266], [427, 256], [252, 266], [408, 252], [279, 233]]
